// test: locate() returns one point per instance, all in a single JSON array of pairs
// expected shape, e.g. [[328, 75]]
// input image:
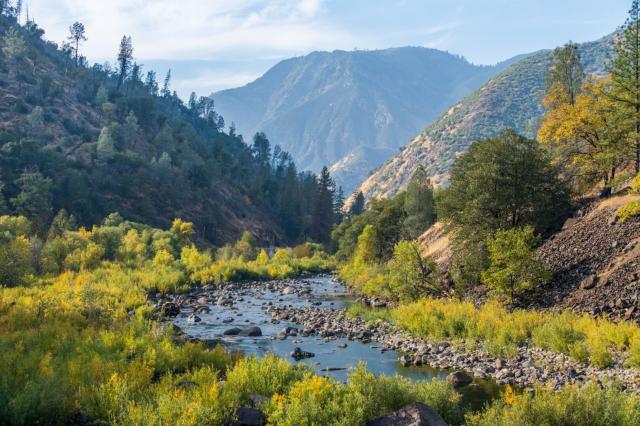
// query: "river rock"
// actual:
[[251, 332], [232, 331], [170, 309], [223, 301], [227, 320], [289, 290], [416, 414], [246, 416], [405, 360], [459, 379], [193, 318], [299, 354]]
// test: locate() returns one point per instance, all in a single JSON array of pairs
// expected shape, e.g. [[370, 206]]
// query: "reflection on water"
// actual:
[[249, 309]]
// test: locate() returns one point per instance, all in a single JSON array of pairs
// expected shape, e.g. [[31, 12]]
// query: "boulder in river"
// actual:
[[459, 379], [246, 416], [170, 309], [232, 331], [416, 414], [289, 290], [299, 354], [227, 320], [405, 360], [251, 332], [193, 318]]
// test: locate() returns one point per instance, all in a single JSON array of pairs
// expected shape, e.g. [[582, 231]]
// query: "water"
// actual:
[[330, 359]]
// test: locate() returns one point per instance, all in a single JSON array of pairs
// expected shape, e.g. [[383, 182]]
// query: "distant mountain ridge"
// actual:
[[351, 110], [511, 99]]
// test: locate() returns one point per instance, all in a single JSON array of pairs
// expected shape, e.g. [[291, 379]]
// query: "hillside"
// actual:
[[350, 110], [86, 140], [596, 262], [511, 99]]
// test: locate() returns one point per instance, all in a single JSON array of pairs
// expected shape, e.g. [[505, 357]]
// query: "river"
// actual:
[[331, 358]]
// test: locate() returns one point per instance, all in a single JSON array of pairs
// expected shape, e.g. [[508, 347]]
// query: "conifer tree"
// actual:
[[625, 76], [77, 34], [565, 76], [358, 205], [125, 58], [323, 214]]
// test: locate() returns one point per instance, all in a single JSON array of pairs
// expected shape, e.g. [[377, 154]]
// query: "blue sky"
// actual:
[[216, 44]]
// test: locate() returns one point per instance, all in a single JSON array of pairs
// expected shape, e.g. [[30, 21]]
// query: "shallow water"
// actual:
[[329, 360]]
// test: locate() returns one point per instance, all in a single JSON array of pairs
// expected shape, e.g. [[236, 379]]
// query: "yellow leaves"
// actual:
[[509, 396]]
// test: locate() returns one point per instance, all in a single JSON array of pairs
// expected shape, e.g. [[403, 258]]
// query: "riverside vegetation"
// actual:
[[81, 343]]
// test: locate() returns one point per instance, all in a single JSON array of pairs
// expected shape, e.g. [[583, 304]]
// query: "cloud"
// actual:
[[191, 29]]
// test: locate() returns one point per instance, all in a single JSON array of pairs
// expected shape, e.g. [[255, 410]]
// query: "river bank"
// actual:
[[319, 315]]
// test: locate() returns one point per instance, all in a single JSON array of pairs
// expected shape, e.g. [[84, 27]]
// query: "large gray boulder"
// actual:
[[416, 414]]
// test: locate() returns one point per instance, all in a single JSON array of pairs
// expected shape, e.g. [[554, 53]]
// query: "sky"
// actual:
[[216, 44]]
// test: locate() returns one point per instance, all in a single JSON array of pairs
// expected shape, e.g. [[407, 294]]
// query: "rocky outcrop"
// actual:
[[596, 263]]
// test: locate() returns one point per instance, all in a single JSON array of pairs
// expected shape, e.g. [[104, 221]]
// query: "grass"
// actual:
[[596, 341]]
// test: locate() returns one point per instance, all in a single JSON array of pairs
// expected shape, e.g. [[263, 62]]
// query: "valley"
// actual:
[[289, 252]]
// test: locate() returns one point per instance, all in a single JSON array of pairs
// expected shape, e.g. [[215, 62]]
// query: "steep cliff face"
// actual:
[[350, 110], [511, 99]]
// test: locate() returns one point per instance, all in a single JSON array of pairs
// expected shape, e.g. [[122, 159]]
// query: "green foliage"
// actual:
[[632, 208], [499, 183], [35, 198], [572, 405], [501, 332], [418, 205], [514, 264], [411, 276]]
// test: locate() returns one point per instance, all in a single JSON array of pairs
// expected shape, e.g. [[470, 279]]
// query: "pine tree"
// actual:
[[77, 34], [125, 58], [338, 206], [106, 148], [167, 83], [625, 75], [35, 198], [358, 205], [323, 214]]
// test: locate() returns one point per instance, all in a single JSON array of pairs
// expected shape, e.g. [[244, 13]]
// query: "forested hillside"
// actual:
[[100, 139], [351, 110], [511, 99]]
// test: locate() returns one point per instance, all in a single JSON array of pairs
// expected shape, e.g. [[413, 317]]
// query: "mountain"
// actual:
[[86, 140], [511, 99], [351, 110]]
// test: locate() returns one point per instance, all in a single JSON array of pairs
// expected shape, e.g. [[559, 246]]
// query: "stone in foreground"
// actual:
[[416, 414], [245, 416]]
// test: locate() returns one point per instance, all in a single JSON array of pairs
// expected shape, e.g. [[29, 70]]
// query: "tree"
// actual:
[[151, 84], [35, 199], [418, 205], [4, 208], [565, 77], [625, 75], [166, 92], [338, 205], [588, 135], [106, 147], [501, 183], [261, 149], [514, 264], [14, 47], [62, 222], [323, 214], [125, 59], [358, 205], [410, 275], [77, 34]]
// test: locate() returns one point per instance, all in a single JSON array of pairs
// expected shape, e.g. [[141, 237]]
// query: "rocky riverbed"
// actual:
[[528, 367], [300, 319]]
